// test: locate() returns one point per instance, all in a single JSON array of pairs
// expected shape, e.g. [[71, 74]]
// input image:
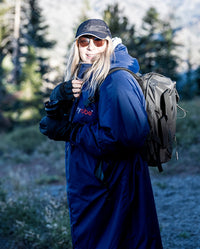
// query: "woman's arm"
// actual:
[[57, 125]]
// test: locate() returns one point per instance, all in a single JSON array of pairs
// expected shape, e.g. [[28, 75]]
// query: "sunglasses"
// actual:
[[84, 41]]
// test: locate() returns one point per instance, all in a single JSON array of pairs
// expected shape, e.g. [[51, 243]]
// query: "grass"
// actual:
[[188, 128], [184, 235], [22, 139], [31, 164], [48, 179]]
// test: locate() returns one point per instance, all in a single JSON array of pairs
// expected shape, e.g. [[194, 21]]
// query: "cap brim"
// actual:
[[94, 33]]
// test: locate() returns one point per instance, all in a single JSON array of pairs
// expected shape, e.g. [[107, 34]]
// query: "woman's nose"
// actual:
[[91, 44]]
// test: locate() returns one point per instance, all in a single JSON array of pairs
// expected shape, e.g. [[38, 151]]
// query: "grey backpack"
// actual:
[[161, 106]]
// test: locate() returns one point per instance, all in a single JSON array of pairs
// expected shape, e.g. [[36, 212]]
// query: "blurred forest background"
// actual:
[[25, 72], [29, 159]]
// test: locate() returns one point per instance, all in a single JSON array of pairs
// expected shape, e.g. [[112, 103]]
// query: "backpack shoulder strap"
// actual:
[[136, 76], [112, 70]]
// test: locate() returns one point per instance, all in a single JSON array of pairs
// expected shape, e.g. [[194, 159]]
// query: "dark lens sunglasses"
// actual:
[[84, 41]]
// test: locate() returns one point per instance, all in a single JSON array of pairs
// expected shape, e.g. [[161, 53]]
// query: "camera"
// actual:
[[56, 109]]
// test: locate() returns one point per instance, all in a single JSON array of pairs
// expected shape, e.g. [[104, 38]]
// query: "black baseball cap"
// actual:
[[95, 27]]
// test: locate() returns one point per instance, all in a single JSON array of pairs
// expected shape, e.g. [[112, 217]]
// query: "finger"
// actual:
[[76, 85], [77, 82], [76, 90], [76, 95]]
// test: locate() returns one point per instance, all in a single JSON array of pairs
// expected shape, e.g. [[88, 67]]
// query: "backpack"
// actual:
[[161, 106]]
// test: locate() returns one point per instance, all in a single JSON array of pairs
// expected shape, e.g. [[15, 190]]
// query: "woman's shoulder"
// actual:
[[119, 79], [121, 82]]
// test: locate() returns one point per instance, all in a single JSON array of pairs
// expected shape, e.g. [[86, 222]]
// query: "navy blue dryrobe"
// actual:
[[108, 185]]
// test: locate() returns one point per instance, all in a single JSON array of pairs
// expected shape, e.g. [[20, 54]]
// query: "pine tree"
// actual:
[[156, 46], [33, 42], [167, 60], [35, 32], [188, 91], [119, 24], [197, 79], [29, 63], [153, 47]]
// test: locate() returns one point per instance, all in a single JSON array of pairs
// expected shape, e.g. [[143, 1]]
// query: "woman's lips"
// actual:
[[90, 55]]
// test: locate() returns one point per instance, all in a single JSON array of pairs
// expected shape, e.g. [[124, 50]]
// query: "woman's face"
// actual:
[[90, 48]]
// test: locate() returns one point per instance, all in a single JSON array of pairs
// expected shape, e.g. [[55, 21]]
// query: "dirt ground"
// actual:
[[178, 208]]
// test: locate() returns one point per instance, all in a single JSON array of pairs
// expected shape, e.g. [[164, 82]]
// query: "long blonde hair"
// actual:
[[97, 72]]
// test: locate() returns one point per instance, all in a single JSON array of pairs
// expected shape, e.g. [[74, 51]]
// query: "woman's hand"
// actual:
[[67, 90], [76, 87]]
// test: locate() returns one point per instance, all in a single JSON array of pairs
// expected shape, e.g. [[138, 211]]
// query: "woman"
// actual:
[[108, 185]]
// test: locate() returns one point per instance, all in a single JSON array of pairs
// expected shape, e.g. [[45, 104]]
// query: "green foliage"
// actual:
[[153, 47], [23, 139], [119, 24], [188, 128], [151, 22], [31, 83], [156, 46], [24, 106], [36, 33], [30, 72], [3, 193], [50, 179], [185, 235], [36, 29], [197, 79], [35, 222], [188, 141]]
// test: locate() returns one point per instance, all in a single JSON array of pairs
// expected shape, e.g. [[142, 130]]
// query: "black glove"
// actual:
[[56, 123], [61, 100], [58, 130], [66, 90], [63, 92], [56, 109]]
